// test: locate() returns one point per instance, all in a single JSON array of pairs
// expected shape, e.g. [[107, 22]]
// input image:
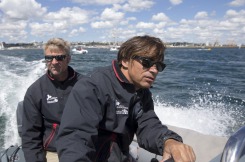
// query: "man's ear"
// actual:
[[68, 59], [125, 64]]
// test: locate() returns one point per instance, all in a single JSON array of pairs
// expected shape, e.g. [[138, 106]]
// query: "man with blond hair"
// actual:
[[44, 102]]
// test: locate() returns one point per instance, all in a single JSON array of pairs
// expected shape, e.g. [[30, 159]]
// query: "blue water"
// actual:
[[199, 90]]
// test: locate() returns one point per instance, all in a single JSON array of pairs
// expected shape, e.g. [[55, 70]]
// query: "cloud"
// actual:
[[137, 5], [42, 29], [66, 20], [237, 18], [14, 31], [73, 16], [176, 2], [201, 15], [22, 9], [145, 25], [160, 17], [159, 31], [102, 24], [234, 20], [109, 18], [76, 32], [110, 14], [129, 18], [98, 2], [237, 3]]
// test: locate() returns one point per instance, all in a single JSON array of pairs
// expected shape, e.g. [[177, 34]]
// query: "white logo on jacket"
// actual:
[[121, 109], [51, 99]]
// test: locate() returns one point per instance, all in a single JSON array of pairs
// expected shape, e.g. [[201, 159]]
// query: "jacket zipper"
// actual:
[[51, 136]]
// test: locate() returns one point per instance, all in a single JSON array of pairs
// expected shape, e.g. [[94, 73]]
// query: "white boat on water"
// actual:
[[204, 49], [1, 46], [114, 48], [79, 50]]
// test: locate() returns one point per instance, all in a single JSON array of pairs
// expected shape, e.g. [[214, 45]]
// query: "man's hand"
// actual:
[[178, 151]]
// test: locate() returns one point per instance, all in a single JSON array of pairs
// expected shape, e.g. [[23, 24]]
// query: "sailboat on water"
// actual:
[[1, 46], [115, 46]]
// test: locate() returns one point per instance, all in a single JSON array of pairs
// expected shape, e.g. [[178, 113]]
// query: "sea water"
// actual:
[[199, 90]]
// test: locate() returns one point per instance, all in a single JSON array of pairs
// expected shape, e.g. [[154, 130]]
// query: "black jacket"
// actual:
[[102, 114], [43, 106]]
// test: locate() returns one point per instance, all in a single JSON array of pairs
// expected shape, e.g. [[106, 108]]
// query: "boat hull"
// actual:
[[79, 52], [207, 148]]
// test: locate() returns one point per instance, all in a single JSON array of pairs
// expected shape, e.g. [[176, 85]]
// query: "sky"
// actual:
[[198, 21]]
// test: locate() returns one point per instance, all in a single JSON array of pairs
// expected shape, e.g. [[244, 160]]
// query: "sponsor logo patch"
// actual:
[[120, 109], [51, 99]]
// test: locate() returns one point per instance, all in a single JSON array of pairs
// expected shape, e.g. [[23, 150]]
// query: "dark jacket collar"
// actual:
[[120, 76]]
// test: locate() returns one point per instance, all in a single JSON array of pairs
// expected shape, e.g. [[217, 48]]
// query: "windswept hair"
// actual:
[[57, 44], [146, 45]]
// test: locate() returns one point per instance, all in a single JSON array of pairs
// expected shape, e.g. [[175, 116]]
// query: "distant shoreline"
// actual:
[[206, 47], [108, 47], [39, 45]]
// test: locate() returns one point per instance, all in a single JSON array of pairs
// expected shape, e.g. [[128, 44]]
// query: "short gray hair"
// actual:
[[57, 43]]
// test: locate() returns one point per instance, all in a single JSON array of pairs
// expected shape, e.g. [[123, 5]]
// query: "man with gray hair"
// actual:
[[44, 102]]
